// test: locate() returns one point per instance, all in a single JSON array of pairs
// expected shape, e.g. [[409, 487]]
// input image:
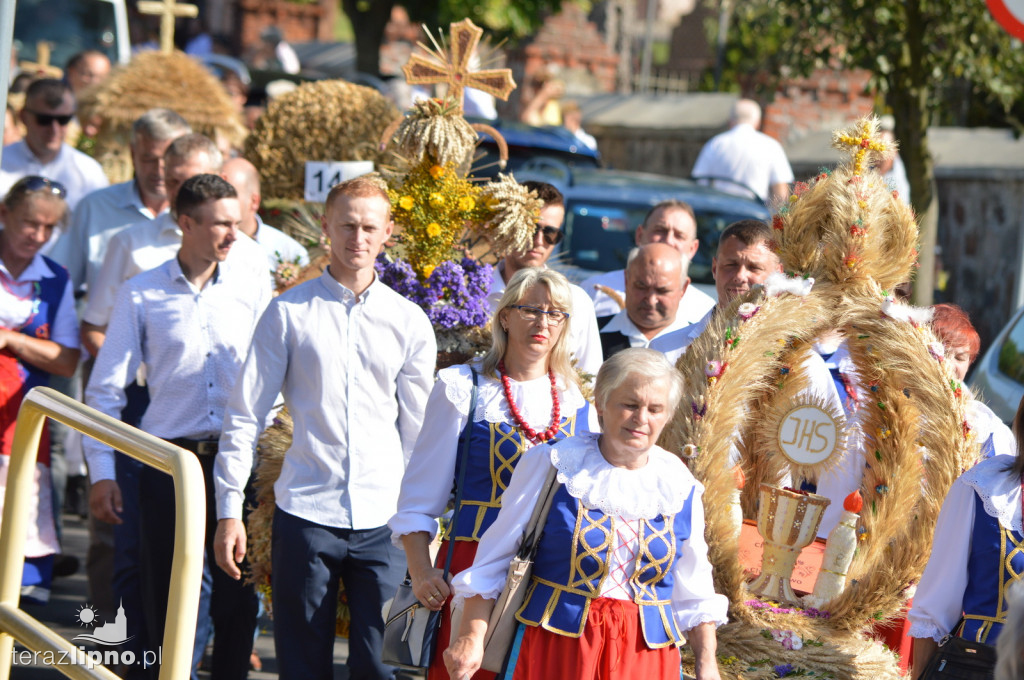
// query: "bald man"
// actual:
[[279, 246], [746, 158], [656, 281]]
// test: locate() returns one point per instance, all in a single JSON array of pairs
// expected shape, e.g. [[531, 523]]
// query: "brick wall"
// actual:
[[826, 99], [571, 44]]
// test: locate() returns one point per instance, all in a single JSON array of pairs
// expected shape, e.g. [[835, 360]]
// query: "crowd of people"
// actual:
[[157, 294]]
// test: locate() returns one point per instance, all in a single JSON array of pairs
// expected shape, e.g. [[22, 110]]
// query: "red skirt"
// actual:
[[462, 558], [612, 646]]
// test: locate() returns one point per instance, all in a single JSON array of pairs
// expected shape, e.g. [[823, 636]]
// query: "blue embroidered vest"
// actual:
[[494, 451], [572, 563], [46, 294], [985, 596]]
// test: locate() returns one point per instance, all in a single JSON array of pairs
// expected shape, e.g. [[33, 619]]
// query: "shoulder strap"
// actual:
[[535, 527], [461, 462]]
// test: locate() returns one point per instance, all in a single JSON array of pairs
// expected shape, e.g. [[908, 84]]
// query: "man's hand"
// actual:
[[105, 501], [229, 546]]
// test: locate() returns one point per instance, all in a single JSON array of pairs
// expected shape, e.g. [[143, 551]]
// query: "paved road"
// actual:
[[71, 594]]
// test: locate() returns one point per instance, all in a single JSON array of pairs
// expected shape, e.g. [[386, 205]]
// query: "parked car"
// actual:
[[604, 208], [71, 26], [530, 146], [998, 376]]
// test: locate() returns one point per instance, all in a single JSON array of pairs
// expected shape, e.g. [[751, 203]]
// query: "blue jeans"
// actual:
[[307, 561]]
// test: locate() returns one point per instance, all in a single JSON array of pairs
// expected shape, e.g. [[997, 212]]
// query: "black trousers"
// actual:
[[233, 606]]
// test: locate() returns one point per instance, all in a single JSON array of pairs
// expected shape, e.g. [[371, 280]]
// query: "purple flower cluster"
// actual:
[[454, 295], [783, 670], [809, 612]]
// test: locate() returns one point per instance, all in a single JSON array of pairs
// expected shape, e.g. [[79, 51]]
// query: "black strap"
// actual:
[[461, 462]]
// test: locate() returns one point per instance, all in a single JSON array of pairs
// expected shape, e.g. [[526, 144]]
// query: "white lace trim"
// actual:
[[658, 488], [999, 492], [533, 397]]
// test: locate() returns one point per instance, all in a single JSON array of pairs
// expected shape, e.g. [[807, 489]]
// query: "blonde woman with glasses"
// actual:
[[527, 393]]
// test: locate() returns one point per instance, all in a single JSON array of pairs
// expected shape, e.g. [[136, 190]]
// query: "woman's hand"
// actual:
[[464, 656], [430, 588], [705, 646], [428, 584]]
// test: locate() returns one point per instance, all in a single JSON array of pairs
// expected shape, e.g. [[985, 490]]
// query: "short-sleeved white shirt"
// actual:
[[747, 156]]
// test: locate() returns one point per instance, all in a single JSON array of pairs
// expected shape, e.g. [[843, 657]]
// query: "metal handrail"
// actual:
[[189, 531]]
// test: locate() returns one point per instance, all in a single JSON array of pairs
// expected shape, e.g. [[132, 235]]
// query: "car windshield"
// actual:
[[600, 235], [70, 26]]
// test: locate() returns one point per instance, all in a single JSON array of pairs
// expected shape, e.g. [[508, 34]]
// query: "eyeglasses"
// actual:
[[47, 119], [34, 183], [555, 317], [552, 235]]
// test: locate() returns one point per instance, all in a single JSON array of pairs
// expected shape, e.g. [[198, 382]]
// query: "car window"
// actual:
[[599, 235], [1011, 354], [69, 25]]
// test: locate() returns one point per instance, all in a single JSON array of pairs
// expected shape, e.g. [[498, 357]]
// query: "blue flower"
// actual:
[[783, 670]]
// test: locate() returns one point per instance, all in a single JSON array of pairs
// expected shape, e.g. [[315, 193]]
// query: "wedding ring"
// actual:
[[431, 596]]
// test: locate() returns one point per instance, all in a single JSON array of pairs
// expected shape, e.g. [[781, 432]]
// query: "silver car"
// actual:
[[998, 377]]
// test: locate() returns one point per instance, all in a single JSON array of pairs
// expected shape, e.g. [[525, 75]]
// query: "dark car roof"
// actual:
[[551, 138], [610, 185]]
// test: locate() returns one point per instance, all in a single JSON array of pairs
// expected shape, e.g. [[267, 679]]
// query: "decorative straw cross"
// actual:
[[861, 140], [42, 65], [168, 11], [453, 67]]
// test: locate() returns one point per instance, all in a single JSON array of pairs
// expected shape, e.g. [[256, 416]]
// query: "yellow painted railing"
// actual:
[[189, 531]]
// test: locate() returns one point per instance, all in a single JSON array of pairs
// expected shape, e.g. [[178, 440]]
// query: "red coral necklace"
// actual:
[[524, 427]]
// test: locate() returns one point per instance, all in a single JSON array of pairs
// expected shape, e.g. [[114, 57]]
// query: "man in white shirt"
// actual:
[[279, 246], [354, 361], [743, 260], [585, 337], [104, 212], [656, 281], [745, 158], [673, 223], [189, 321], [150, 243], [49, 108], [112, 562]]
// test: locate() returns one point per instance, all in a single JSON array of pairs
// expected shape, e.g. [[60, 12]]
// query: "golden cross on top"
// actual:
[[168, 11], [42, 64], [453, 68], [860, 141]]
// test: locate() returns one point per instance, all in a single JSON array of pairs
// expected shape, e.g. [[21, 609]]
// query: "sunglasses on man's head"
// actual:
[[552, 235], [46, 119], [34, 183]]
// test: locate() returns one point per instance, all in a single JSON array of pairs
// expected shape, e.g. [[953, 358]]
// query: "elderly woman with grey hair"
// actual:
[[621, 577]]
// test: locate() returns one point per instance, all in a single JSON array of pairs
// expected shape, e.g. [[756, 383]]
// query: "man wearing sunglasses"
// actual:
[[49, 107], [585, 339]]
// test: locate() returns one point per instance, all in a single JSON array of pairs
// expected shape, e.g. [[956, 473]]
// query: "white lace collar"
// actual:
[[998, 490], [659, 488], [533, 397]]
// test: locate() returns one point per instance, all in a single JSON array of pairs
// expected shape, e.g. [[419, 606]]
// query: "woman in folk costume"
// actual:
[[977, 554], [621, 576], [527, 393], [961, 344], [38, 337]]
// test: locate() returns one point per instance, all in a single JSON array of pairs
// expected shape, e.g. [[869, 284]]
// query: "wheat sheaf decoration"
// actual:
[[845, 241]]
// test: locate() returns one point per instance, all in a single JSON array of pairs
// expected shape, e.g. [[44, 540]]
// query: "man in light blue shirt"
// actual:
[[190, 322]]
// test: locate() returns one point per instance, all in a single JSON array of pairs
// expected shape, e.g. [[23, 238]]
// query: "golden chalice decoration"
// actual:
[[809, 435]]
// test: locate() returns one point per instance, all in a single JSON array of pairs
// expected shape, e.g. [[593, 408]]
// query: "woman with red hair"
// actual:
[[961, 345]]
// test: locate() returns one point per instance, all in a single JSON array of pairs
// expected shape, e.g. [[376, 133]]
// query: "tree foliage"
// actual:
[[919, 52], [503, 19]]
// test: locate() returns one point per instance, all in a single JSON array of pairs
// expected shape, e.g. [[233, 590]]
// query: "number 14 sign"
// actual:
[[321, 176]]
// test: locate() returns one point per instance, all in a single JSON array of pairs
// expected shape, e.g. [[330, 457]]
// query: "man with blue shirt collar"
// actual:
[[354, 361], [190, 322]]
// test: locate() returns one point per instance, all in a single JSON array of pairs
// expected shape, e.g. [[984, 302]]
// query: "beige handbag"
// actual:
[[501, 626]]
